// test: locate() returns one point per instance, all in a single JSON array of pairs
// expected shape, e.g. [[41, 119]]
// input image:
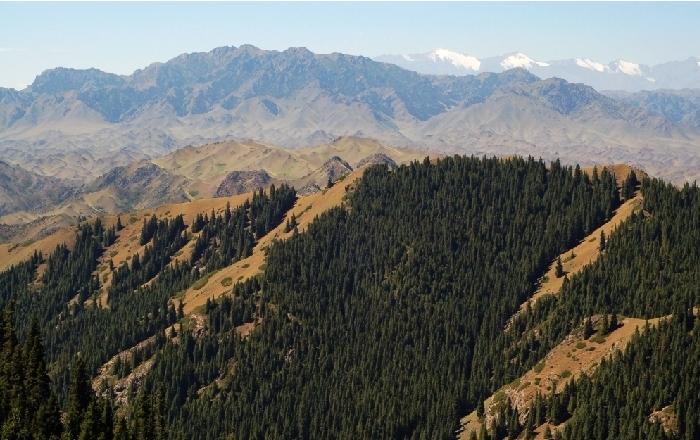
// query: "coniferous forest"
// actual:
[[390, 316]]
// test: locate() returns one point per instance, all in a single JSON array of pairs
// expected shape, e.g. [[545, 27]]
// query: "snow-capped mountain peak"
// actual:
[[616, 75], [457, 59], [627, 67], [520, 60], [587, 63]]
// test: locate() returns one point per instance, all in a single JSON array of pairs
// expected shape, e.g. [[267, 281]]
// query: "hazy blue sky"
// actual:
[[123, 37]]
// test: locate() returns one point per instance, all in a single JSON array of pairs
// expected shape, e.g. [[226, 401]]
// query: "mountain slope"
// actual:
[[615, 75], [22, 190], [137, 186], [375, 308], [368, 315], [678, 106], [189, 173], [80, 124], [207, 166]]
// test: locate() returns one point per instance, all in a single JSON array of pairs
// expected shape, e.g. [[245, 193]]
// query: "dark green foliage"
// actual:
[[14, 282], [587, 328], [629, 186], [136, 310], [267, 211], [231, 236], [291, 224], [168, 237], [147, 419], [657, 369], [149, 229], [380, 320], [385, 319], [28, 408], [67, 278], [80, 396], [650, 269], [198, 224], [558, 269]]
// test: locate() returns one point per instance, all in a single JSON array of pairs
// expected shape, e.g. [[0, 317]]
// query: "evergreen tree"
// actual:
[[587, 328], [629, 185], [559, 268], [80, 396]]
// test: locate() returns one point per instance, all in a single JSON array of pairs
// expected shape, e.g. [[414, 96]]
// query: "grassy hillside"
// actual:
[[389, 305], [190, 173]]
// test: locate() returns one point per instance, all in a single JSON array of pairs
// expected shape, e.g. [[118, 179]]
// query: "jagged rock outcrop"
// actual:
[[377, 159], [335, 168], [239, 182]]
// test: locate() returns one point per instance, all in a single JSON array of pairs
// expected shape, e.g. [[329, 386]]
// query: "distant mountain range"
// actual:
[[32, 205], [615, 75], [79, 124]]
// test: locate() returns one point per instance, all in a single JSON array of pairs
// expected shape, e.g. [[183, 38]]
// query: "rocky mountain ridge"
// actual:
[[79, 124]]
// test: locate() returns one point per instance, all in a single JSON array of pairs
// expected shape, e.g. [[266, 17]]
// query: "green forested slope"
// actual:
[[371, 319], [384, 319], [78, 332], [650, 268]]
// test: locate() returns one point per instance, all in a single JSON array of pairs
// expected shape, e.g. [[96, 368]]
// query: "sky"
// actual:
[[123, 37]]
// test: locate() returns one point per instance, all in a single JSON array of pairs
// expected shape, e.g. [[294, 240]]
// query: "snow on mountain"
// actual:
[[458, 59], [587, 63], [617, 75], [520, 60], [627, 67]]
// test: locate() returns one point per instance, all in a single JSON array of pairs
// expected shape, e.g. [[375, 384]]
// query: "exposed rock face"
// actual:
[[335, 168], [80, 123], [239, 182], [678, 106], [377, 159], [309, 189], [141, 185], [331, 171], [667, 418], [22, 190]]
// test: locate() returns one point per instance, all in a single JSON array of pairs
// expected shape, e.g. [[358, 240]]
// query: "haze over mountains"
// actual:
[[615, 75], [32, 205], [107, 136], [255, 244]]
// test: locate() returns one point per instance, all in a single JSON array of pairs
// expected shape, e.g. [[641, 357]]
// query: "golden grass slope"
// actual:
[[620, 170], [13, 253], [585, 253], [566, 362], [207, 165], [305, 210], [128, 239]]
